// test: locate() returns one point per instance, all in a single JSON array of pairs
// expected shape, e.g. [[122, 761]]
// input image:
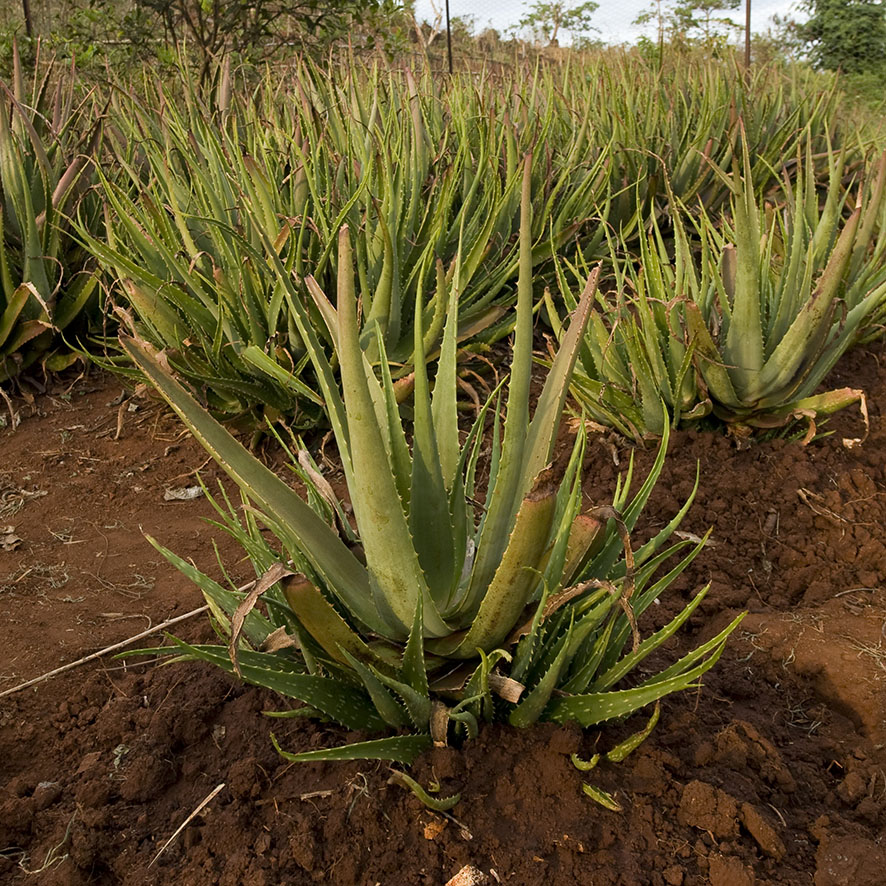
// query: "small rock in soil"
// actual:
[[468, 876], [183, 493]]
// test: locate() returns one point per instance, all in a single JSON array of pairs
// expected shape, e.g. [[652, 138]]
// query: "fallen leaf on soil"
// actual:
[[468, 876], [434, 828], [9, 541], [183, 493]]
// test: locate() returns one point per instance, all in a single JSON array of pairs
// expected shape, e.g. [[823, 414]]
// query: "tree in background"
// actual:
[[548, 20], [704, 19], [430, 31], [214, 27], [252, 29], [844, 35], [655, 12], [694, 21]]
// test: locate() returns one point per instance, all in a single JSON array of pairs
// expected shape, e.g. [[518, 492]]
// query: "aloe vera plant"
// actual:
[[47, 280], [635, 356], [783, 292], [438, 612], [172, 245], [747, 328], [668, 129]]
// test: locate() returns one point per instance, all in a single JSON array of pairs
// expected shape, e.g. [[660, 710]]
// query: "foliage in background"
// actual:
[[125, 33], [439, 613], [258, 28], [49, 136], [845, 35], [687, 22], [547, 21]]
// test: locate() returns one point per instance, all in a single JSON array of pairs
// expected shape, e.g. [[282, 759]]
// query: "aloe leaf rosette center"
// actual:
[[446, 603]]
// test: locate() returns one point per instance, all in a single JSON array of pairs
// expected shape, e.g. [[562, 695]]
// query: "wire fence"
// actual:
[[613, 22], [493, 35]]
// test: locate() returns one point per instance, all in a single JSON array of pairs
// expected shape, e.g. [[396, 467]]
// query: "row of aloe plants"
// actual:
[[432, 180], [671, 178], [428, 174], [49, 135]]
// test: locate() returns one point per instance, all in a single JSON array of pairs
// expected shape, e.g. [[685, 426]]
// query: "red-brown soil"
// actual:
[[773, 773]]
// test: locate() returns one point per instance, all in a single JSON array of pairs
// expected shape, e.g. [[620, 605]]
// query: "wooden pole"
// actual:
[[29, 21], [448, 39], [747, 35]]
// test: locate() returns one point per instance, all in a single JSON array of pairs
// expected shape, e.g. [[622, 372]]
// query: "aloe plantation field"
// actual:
[[446, 480]]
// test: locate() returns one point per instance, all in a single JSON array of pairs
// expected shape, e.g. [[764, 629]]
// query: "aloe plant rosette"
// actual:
[[439, 612], [48, 285], [748, 326], [782, 295]]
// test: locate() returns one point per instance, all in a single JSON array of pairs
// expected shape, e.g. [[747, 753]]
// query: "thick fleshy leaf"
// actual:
[[319, 618], [389, 709], [518, 574], [430, 519], [530, 709], [546, 420], [621, 751], [593, 708], [397, 749], [391, 559], [438, 804], [444, 403], [340, 702], [743, 345], [804, 338], [629, 662], [507, 490]]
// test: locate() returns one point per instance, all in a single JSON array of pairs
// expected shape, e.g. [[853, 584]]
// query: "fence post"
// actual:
[[747, 35], [448, 39]]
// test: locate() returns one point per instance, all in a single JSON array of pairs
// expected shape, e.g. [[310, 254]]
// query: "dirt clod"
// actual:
[[763, 832], [706, 807], [729, 872]]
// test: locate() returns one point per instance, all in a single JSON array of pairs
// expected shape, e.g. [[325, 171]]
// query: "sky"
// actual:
[[613, 18]]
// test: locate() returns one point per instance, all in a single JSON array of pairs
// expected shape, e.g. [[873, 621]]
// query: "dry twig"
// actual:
[[123, 643], [207, 799]]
